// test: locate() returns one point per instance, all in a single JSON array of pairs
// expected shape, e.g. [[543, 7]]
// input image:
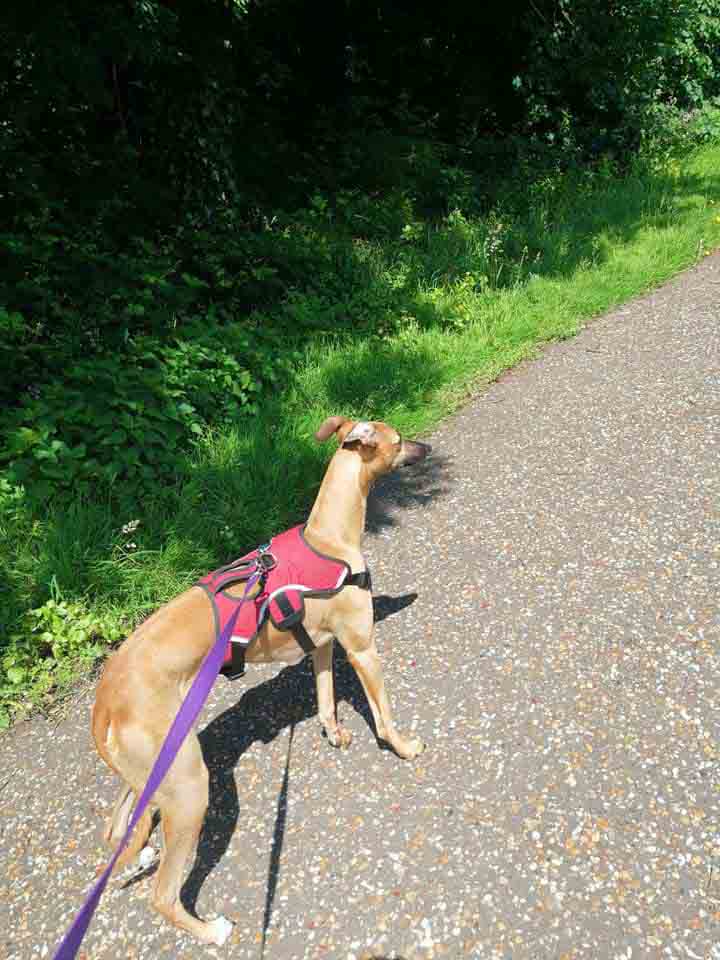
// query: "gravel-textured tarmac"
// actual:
[[548, 617]]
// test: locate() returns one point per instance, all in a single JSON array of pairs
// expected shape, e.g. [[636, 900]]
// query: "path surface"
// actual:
[[549, 622]]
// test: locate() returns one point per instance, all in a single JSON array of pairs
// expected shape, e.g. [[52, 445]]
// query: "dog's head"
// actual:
[[380, 446]]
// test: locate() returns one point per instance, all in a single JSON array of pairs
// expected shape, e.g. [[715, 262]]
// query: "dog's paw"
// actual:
[[409, 749], [146, 857], [219, 930], [341, 738]]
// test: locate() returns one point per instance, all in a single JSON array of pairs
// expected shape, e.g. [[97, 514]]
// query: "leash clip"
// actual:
[[266, 560]]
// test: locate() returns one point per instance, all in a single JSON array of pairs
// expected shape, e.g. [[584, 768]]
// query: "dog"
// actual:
[[145, 680]]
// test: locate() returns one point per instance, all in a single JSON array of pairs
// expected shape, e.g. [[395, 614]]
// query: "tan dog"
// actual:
[[145, 681]]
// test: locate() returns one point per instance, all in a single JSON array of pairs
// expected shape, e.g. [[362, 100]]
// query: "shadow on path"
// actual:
[[277, 844], [415, 486]]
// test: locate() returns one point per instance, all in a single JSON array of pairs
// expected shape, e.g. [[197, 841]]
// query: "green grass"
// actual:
[[476, 295]]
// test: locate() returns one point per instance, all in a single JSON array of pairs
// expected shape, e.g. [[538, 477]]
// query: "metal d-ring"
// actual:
[[266, 560]]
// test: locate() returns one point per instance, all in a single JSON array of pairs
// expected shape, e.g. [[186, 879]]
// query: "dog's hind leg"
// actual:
[[322, 659], [183, 801]]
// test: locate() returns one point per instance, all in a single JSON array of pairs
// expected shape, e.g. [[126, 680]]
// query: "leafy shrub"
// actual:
[[50, 642], [369, 216], [130, 417], [596, 74], [667, 130], [704, 122]]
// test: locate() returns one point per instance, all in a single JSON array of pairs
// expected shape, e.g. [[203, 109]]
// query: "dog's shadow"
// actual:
[[285, 700]]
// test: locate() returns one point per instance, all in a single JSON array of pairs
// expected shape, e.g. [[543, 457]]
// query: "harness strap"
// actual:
[[236, 667], [291, 620], [303, 638], [363, 580]]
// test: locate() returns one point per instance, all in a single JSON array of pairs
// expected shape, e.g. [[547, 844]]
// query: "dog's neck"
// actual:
[[337, 519]]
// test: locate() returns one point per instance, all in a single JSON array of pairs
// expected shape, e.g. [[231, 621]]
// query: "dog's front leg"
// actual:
[[322, 659], [362, 654]]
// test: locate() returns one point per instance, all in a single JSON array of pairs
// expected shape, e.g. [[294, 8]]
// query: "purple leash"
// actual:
[[181, 726]]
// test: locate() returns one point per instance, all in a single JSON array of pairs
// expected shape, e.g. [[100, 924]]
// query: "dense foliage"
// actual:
[[150, 148], [194, 190]]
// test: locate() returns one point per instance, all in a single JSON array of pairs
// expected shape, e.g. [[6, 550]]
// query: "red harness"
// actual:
[[291, 570]]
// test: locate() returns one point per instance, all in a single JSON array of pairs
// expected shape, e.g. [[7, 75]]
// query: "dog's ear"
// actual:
[[331, 426], [364, 433]]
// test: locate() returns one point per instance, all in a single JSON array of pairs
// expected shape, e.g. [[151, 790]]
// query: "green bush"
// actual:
[[128, 418], [46, 649], [599, 74]]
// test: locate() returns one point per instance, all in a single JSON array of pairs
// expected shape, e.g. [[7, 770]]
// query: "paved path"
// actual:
[[549, 622]]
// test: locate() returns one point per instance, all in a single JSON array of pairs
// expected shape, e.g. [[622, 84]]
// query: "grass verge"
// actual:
[[478, 294]]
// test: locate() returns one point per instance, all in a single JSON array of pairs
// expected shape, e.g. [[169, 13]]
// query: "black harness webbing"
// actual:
[[293, 622]]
